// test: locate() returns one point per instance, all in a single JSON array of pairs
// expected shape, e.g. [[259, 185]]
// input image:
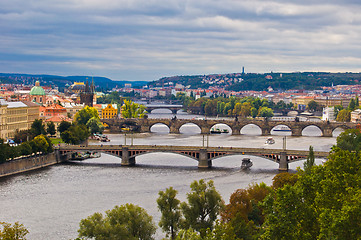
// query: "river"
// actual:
[[51, 202]]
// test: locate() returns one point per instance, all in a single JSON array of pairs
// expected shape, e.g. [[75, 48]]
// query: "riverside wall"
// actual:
[[29, 163]]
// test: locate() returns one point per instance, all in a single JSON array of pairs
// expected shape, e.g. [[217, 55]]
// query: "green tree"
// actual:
[[133, 110], [63, 126], [351, 105], [265, 112], [95, 126], [51, 128], [169, 206], [344, 115], [41, 143], [16, 231], [313, 105], [25, 148], [122, 222], [203, 207], [76, 134], [310, 161], [83, 116], [349, 140], [37, 127], [337, 109]]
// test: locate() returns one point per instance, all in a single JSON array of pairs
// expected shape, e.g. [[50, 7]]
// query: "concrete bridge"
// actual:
[[144, 125], [204, 155], [173, 107]]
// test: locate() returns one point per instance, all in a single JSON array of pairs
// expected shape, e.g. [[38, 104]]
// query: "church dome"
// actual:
[[37, 90]]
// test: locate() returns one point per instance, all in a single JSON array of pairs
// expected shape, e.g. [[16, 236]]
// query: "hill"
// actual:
[[60, 81], [260, 82]]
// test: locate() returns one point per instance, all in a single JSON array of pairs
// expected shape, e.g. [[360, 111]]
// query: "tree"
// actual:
[[122, 222], [16, 231], [349, 140], [310, 162], [351, 105], [313, 105], [337, 109], [344, 115], [203, 207], [95, 126], [83, 116], [133, 110], [283, 178], [51, 128], [265, 112], [37, 127], [41, 143], [63, 126], [76, 134], [169, 206]]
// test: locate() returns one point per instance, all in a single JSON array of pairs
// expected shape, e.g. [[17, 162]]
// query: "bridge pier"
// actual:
[[236, 130], [266, 131], [327, 132], [296, 131], [174, 129], [203, 161], [126, 159], [283, 164]]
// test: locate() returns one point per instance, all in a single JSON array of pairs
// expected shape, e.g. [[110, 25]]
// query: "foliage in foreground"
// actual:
[[16, 231], [122, 222]]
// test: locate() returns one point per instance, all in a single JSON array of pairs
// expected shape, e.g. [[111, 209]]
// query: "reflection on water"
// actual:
[[51, 202]]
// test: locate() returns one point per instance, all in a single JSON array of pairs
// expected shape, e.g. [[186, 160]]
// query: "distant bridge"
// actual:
[[204, 155], [174, 125], [173, 107]]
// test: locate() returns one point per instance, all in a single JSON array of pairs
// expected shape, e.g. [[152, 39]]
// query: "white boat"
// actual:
[[282, 129], [270, 141], [246, 163]]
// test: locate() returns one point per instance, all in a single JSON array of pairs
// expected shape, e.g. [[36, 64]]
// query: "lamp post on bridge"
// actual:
[[284, 143]]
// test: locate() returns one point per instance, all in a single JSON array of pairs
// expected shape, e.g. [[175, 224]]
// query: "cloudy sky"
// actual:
[[150, 39]]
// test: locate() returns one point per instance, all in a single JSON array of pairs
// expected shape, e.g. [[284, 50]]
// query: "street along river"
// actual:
[[52, 201]]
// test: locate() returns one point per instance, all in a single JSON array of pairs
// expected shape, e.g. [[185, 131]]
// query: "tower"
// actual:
[[87, 96]]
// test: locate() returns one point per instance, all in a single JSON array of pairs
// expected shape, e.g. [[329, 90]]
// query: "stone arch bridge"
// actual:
[[203, 155], [144, 125]]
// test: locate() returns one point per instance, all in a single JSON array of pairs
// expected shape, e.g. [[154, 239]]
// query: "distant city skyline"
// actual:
[[147, 40]]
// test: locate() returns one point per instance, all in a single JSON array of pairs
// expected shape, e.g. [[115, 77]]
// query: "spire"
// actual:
[[92, 86], [87, 87]]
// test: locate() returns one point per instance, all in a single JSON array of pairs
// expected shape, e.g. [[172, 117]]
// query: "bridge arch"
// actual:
[[281, 129], [191, 156], [312, 130], [251, 129], [221, 127], [159, 127], [190, 129]]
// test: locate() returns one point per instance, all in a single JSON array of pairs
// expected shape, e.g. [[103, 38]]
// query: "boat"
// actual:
[[79, 156], [270, 141], [246, 163], [218, 130], [94, 154], [282, 129]]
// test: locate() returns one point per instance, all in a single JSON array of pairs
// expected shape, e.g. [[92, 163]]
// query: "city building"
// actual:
[[16, 116], [356, 115], [109, 110], [328, 114], [37, 94]]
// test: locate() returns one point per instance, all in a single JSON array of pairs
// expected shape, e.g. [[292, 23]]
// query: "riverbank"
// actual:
[[28, 163]]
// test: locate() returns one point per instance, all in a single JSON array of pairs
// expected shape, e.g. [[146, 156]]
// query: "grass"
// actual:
[[56, 141]]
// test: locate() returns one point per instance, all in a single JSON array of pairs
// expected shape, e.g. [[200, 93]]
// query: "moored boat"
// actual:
[[246, 163], [270, 140]]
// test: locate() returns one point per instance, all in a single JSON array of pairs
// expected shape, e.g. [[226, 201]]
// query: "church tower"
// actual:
[[87, 96]]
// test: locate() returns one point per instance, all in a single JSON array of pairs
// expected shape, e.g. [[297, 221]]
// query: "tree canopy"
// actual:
[[122, 222], [133, 110]]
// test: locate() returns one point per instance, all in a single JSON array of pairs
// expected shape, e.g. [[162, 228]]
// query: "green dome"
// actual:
[[37, 90]]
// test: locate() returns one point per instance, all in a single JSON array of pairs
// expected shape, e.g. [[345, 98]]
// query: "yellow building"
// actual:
[[109, 111], [16, 116]]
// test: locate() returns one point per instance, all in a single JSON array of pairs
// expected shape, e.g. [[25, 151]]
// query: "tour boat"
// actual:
[[282, 129], [218, 130], [270, 141], [246, 163]]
